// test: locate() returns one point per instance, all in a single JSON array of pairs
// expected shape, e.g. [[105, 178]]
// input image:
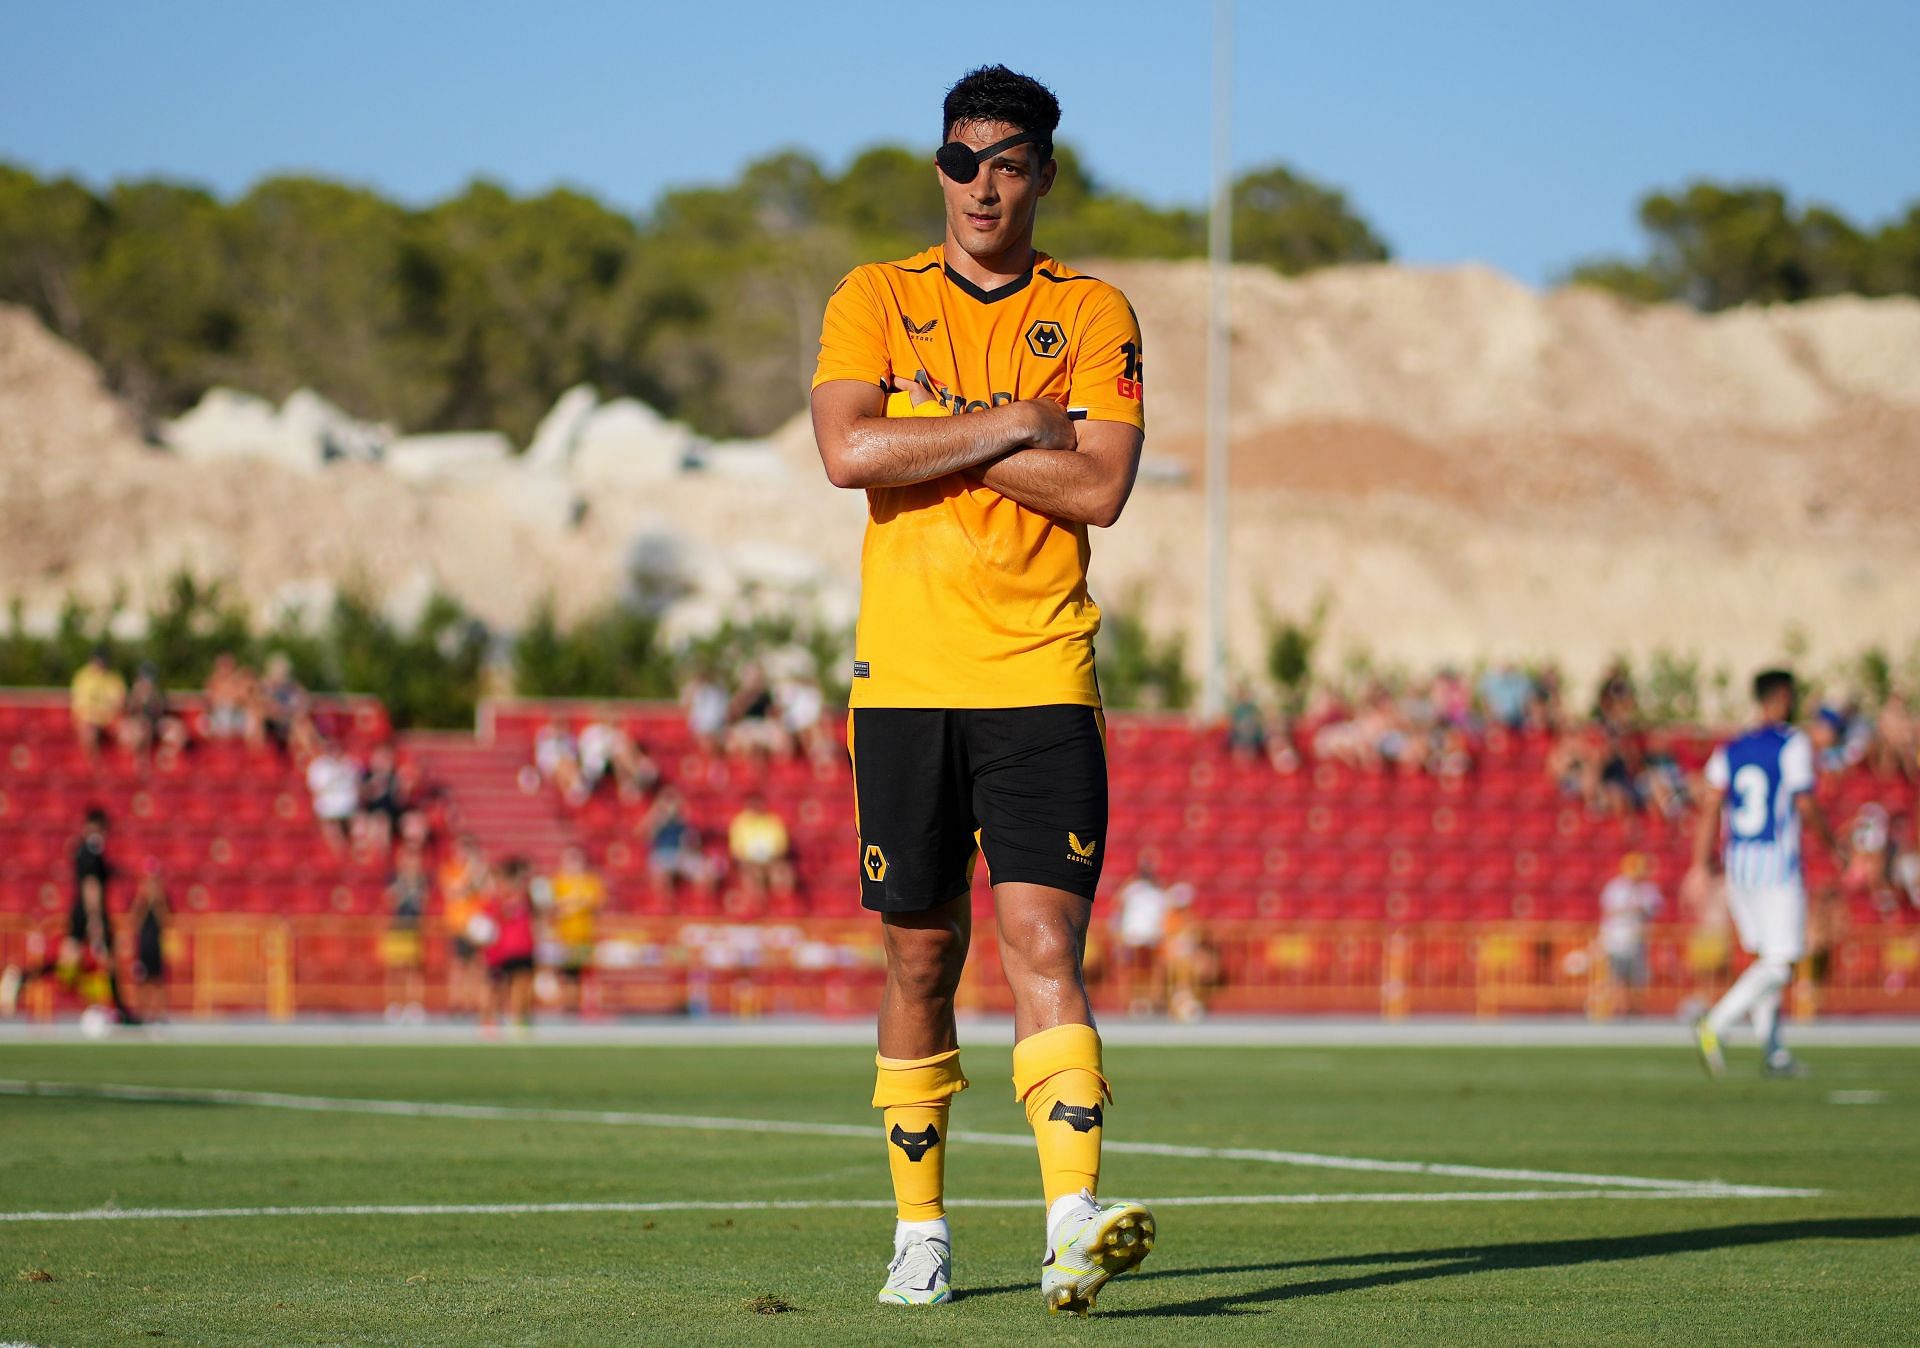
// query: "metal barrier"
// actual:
[[281, 966]]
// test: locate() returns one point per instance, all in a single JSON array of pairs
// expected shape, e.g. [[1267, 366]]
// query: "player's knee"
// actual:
[[925, 964], [1044, 949]]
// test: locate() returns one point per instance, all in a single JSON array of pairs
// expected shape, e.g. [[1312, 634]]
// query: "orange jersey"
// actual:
[[968, 598]]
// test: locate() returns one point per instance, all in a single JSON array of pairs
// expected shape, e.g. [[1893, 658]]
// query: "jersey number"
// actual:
[[1751, 804]]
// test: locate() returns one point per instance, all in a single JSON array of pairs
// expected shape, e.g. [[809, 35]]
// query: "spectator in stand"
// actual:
[[1246, 727], [598, 743], [1895, 750], [147, 727], [636, 775], [1877, 869], [333, 782], [706, 704], [674, 849], [229, 694], [1545, 712], [1379, 734], [1623, 757], [754, 728], [608, 753], [1663, 782], [1627, 903], [403, 949], [803, 715], [510, 949], [579, 894], [558, 759], [84, 958], [1507, 692], [149, 917], [761, 849], [464, 882], [282, 710], [97, 696], [383, 797]]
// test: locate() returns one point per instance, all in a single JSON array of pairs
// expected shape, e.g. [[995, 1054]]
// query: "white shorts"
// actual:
[[1772, 922]]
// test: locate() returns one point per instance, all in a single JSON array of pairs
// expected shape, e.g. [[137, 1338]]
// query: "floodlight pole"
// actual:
[[1219, 261]]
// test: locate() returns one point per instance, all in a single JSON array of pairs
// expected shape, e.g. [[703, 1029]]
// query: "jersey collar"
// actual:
[[974, 292]]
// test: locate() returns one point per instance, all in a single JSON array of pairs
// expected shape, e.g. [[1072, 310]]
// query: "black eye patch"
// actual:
[[961, 162]]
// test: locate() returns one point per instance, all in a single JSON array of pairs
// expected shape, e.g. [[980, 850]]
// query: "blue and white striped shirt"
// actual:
[[1763, 773]]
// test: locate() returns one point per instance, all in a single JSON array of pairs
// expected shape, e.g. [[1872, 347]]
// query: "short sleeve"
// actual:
[[853, 335], [1717, 770], [1796, 763], [1108, 375]]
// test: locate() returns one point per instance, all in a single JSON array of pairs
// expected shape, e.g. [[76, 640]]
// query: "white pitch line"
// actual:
[[815, 1205], [706, 1123]]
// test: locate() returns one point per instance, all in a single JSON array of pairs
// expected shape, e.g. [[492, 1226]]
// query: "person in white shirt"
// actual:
[[1139, 933], [1759, 792], [333, 781], [1627, 903]]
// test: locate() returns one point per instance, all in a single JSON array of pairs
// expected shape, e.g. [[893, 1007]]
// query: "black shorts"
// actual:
[[77, 925], [1030, 781]]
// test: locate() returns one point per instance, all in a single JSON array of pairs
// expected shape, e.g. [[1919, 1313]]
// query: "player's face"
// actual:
[[993, 214]]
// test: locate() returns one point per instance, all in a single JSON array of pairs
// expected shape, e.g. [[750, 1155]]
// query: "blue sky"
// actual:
[[1519, 134]]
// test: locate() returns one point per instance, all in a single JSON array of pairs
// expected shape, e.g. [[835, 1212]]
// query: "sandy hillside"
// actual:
[[1467, 467]]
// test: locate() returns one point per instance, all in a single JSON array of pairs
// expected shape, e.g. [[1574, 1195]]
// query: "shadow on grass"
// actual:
[[1453, 1261]]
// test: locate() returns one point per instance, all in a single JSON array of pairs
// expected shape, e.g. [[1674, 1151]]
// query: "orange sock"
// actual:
[[1056, 1074], [915, 1095]]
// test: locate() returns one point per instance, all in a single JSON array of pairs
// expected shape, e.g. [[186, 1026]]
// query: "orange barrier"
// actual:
[[281, 966]]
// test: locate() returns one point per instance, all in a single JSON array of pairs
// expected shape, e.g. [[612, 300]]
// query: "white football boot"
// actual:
[[1086, 1245], [921, 1273]]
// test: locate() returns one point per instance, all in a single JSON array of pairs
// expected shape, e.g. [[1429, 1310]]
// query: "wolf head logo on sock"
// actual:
[[1082, 1118], [915, 1145]]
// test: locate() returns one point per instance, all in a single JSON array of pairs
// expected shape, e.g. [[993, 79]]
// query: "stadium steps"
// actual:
[[480, 785]]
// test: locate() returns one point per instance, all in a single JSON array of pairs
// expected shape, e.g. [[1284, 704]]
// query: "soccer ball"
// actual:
[[482, 930], [96, 1022]]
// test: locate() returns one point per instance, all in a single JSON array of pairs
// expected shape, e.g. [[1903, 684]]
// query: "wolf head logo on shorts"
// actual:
[[874, 863]]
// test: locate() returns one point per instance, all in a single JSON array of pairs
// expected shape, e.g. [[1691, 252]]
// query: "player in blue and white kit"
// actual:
[[1759, 792]]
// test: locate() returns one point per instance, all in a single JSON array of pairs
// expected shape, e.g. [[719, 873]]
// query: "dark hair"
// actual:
[[1769, 682], [96, 817], [996, 94]]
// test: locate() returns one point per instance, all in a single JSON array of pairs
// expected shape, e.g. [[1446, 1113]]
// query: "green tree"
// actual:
[[1294, 224], [49, 233], [1715, 246]]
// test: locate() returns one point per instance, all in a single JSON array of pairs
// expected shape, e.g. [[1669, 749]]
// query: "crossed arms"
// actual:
[[1075, 472]]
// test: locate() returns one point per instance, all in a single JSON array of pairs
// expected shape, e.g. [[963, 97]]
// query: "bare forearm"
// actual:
[[881, 451], [1706, 832], [1063, 485]]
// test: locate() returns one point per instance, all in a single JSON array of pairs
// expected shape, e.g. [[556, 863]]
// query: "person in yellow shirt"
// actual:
[[988, 399], [578, 896], [97, 696], [758, 842]]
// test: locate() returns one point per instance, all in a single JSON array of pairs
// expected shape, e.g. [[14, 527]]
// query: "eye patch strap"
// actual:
[[962, 163]]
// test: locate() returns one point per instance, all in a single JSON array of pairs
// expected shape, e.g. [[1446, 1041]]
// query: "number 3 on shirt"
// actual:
[[1751, 806]]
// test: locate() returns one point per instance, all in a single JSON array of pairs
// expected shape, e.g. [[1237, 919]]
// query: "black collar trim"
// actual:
[[991, 296]]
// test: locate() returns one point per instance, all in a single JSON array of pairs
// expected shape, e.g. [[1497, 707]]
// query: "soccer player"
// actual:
[[988, 400], [1759, 792]]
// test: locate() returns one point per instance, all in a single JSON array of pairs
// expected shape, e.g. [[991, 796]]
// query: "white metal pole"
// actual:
[[1219, 259]]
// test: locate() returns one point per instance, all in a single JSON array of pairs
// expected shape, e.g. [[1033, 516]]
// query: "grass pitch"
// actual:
[[1683, 1266]]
